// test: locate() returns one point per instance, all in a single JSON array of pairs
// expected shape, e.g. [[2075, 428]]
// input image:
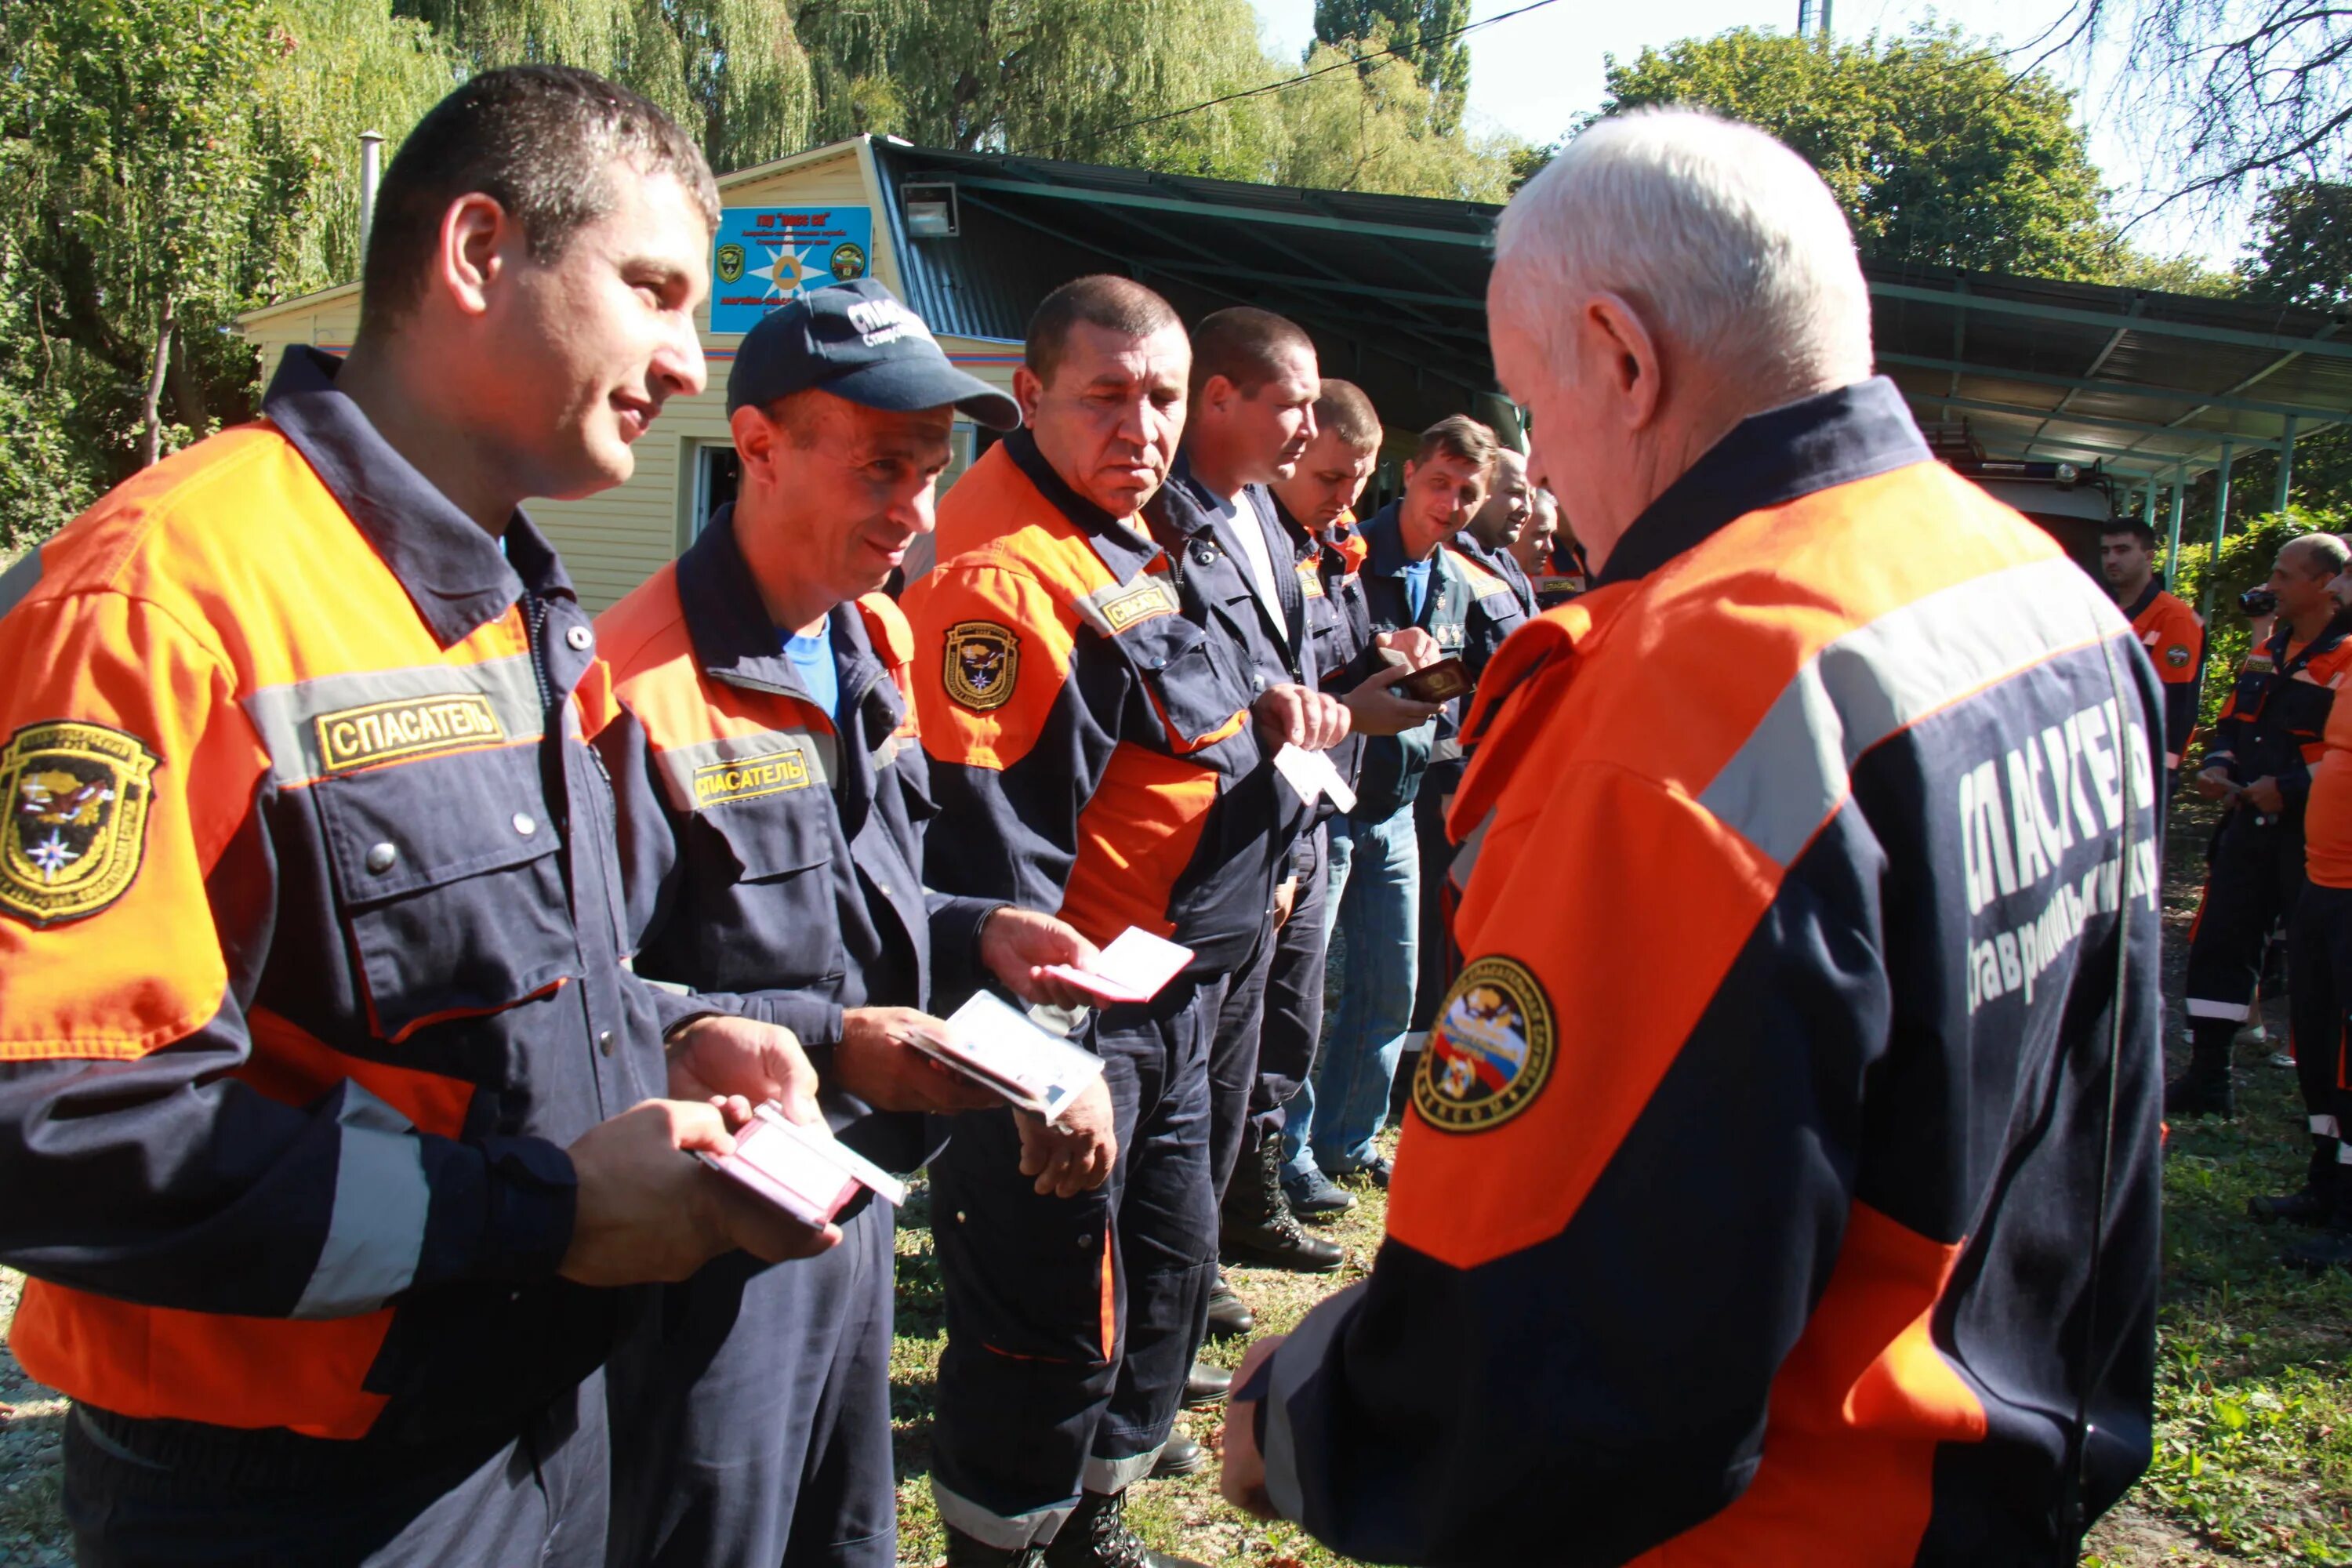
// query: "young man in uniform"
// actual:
[[1891, 1067], [1315, 505], [1492, 538], [1096, 741], [319, 1053], [2259, 762], [2319, 968], [2169, 629], [1533, 548], [1411, 582], [773, 802], [1250, 417]]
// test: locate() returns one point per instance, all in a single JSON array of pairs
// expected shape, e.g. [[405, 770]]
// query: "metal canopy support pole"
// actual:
[[2220, 521], [2286, 465], [2179, 500]]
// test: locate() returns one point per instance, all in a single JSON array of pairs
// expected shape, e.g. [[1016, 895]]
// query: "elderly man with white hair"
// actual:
[[1781, 1181]]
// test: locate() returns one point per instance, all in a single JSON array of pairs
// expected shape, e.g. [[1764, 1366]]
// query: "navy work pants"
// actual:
[[752, 1413], [167, 1494], [1071, 1321], [2251, 884], [1292, 1011], [2319, 997]]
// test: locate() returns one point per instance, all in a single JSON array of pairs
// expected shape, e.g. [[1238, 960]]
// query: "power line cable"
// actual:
[[1395, 50]]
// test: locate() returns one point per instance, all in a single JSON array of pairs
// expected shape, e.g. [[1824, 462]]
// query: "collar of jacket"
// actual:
[[1304, 544], [1123, 550], [454, 573], [2138, 606], [735, 642], [1383, 534], [2339, 626], [1769, 459]]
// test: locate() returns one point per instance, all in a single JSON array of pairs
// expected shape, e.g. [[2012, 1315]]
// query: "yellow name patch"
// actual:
[[750, 778], [1147, 600], [409, 727]]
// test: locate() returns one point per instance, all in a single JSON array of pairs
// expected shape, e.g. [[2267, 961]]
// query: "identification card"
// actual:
[[802, 1168], [1314, 775], [1000, 1048], [1132, 969]]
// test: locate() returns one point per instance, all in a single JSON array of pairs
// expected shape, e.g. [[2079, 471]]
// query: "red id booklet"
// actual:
[[800, 1167], [1132, 969]]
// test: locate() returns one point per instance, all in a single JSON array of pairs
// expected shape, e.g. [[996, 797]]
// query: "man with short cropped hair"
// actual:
[[2271, 731], [2169, 629], [1101, 751], [1412, 583], [1492, 536], [1782, 1185], [331, 1117]]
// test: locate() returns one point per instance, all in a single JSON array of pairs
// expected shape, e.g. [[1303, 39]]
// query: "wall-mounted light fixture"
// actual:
[[930, 210]]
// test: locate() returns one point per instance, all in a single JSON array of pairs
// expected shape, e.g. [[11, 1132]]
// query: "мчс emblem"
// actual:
[[730, 263], [77, 829], [982, 661], [2177, 656], [1492, 1049]]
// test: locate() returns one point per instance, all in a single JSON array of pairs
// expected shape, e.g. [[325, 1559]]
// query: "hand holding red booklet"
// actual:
[[800, 1167]]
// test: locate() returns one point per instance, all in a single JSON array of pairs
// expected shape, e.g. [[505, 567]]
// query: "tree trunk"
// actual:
[[150, 446]]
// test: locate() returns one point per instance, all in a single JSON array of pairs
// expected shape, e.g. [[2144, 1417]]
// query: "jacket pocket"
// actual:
[[447, 875], [764, 895], [1190, 681]]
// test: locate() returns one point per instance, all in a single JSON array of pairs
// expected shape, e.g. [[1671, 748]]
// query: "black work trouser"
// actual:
[[1268, 1029], [2251, 882], [171, 1494], [2319, 991], [1071, 1321], [752, 1413]]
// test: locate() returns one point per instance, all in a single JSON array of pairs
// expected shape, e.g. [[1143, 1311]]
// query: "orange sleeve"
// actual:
[[992, 651], [128, 769]]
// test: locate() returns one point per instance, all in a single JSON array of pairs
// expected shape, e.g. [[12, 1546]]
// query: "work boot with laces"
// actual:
[[1097, 1536], [971, 1552], [1259, 1226]]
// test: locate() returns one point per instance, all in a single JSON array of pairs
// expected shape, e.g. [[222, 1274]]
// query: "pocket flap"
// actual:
[[394, 830], [776, 836]]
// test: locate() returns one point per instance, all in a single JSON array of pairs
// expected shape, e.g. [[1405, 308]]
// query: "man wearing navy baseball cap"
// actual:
[[771, 802]]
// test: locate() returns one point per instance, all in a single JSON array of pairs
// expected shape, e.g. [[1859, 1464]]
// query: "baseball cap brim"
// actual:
[[906, 385]]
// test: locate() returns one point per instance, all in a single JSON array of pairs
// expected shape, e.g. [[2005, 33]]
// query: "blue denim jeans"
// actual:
[[1372, 901]]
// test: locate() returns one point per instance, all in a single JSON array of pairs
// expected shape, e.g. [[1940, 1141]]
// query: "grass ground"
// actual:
[[2254, 1462]]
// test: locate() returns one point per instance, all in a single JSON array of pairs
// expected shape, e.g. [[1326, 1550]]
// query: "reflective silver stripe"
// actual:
[[20, 579], [1465, 859], [1110, 1476], [1014, 1534], [2235, 1011], [1112, 610], [287, 715], [377, 1231], [2324, 1127], [1300, 1358], [1794, 769], [690, 773]]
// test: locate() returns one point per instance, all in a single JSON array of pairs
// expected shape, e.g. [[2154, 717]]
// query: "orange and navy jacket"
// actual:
[[1395, 765], [2273, 722], [1338, 627], [1747, 1211], [1087, 716], [2175, 640], [1500, 598], [771, 850], [311, 958]]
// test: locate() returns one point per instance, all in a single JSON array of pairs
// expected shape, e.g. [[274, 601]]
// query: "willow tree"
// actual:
[[1383, 130], [1426, 32]]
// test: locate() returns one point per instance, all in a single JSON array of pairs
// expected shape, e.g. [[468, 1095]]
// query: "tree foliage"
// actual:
[[1936, 151], [1426, 32], [2301, 251]]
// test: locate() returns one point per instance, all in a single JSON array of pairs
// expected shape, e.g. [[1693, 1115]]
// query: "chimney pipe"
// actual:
[[370, 170]]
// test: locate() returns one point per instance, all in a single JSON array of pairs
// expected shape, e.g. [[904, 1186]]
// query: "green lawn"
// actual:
[[2253, 1460]]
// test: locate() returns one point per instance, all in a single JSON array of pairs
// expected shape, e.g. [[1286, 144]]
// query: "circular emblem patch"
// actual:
[[76, 825], [730, 263], [984, 660], [2177, 656], [1492, 1049], [848, 262]]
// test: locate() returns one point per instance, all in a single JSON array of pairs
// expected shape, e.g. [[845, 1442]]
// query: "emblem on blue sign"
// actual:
[[763, 256]]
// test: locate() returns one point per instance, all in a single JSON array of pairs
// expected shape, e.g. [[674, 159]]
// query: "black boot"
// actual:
[[2208, 1088], [1180, 1457], [1097, 1536], [1206, 1387], [2315, 1204], [1229, 1316], [969, 1551], [1259, 1226]]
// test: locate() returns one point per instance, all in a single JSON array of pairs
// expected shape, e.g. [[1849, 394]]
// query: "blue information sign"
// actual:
[[762, 257]]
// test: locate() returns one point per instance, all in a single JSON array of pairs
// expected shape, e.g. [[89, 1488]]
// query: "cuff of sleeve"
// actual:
[[512, 1225], [956, 927]]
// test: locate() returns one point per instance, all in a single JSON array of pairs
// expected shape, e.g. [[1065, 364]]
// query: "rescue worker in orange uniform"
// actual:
[[2319, 996], [774, 801], [2169, 629], [1848, 768], [1096, 739], [2258, 760], [329, 1107]]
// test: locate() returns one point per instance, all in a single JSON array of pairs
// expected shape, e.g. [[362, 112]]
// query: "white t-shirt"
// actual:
[[1243, 514]]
